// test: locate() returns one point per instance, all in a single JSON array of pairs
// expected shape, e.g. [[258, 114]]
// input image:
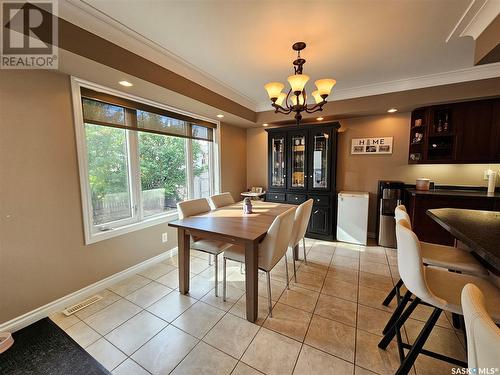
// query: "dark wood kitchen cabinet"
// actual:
[[466, 132], [302, 165]]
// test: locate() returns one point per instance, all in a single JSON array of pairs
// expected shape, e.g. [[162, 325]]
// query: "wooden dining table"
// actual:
[[229, 224]]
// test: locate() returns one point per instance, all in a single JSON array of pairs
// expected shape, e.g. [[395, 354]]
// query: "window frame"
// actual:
[[137, 222]]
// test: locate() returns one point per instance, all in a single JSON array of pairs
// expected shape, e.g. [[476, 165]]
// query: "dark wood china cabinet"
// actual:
[[302, 165]]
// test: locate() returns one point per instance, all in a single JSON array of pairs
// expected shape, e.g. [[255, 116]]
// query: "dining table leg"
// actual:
[[251, 279], [183, 245]]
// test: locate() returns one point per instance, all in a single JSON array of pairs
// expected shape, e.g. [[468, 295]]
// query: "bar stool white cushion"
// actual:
[[221, 200], [483, 336], [436, 286], [448, 257]]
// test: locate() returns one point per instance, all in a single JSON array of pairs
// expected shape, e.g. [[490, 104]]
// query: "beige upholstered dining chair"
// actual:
[[195, 207], [272, 248], [483, 336], [435, 287], [221, 200], [442, 256], [300, 223]]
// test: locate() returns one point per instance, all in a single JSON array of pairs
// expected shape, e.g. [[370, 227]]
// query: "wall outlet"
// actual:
[[164, 237]]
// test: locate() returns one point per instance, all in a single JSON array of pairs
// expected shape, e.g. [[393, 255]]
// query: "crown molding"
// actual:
[[106, 26], [437, 79], [486, 14], [475, 19]]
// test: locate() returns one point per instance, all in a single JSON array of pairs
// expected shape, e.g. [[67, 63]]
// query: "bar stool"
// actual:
[[442, 256], [221, 200], [196, 207], [431, 286], [300, 223], [483, 336], [272, 248]]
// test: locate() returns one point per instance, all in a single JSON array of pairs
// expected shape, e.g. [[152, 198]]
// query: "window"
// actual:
[[138, 161]]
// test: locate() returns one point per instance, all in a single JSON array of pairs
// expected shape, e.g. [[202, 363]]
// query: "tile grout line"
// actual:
[[312, 314]]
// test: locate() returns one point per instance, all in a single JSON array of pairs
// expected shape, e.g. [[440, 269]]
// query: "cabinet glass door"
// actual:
[[278, 173], [298, 161], [320, 162]]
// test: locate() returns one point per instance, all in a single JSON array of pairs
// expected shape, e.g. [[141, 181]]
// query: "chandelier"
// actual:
[[296, 98]]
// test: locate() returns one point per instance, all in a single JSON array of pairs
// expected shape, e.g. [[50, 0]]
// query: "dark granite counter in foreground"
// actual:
[[479, 230], [460, 193]]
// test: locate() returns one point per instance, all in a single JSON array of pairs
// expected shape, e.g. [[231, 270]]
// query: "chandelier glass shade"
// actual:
[[295, 100]]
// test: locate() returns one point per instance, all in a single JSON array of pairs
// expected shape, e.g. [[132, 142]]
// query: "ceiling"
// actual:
[[244, 44]]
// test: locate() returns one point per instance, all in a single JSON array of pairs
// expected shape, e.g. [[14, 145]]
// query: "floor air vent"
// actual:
[[81, 305]]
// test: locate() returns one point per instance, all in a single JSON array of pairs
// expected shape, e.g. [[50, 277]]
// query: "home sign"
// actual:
[[368, 146]]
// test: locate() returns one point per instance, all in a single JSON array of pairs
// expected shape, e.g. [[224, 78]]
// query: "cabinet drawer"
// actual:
[[320, 200], [275, 197], [295, 198]]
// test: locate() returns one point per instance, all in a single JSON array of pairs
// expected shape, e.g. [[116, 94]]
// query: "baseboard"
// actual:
[[72, 298]]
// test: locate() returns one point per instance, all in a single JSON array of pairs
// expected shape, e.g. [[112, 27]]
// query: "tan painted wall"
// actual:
[[42, 251], [256, 157], [360, 172], [233, 159]]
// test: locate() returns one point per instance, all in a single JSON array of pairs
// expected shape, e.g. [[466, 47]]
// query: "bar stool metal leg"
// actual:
[[397, 312], [392, 293], [392, 330], [419, 343]]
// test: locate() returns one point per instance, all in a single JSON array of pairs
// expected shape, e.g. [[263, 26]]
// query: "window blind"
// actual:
[[109, 110]]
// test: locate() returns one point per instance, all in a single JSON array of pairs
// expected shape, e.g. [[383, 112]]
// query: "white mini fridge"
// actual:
[[352, 217]]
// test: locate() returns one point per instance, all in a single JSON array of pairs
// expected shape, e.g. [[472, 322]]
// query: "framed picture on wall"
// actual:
[[370, 146]]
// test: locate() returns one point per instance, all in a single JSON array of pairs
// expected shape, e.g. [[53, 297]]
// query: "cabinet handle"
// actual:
[[311, 176], [296, 198]]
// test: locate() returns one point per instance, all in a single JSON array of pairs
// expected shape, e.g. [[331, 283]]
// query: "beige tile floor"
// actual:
[[328, 322]]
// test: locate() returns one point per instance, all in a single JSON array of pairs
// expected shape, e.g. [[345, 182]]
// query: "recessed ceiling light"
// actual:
[[392, 110], [220, 116], [125, 83], [265, 124], [320, 118]]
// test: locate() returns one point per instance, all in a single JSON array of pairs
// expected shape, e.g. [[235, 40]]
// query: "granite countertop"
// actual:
[[479, 230], [455, 193]]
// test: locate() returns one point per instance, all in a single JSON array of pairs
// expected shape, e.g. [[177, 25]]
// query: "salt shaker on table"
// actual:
[[247, 206]]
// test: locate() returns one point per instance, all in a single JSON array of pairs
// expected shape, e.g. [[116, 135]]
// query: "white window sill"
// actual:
[[91, 238]]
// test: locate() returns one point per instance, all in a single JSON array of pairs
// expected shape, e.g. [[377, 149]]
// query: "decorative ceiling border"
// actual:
[[462, 75], [86, 8]]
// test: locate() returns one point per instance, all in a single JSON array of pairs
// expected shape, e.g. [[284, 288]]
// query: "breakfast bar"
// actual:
[[479, 230]]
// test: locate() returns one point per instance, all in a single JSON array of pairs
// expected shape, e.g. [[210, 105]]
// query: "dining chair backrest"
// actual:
[[410, 265], [192, 207], [301, 220], [483, 336], [275, 243], [221, 200], [401, 213]]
